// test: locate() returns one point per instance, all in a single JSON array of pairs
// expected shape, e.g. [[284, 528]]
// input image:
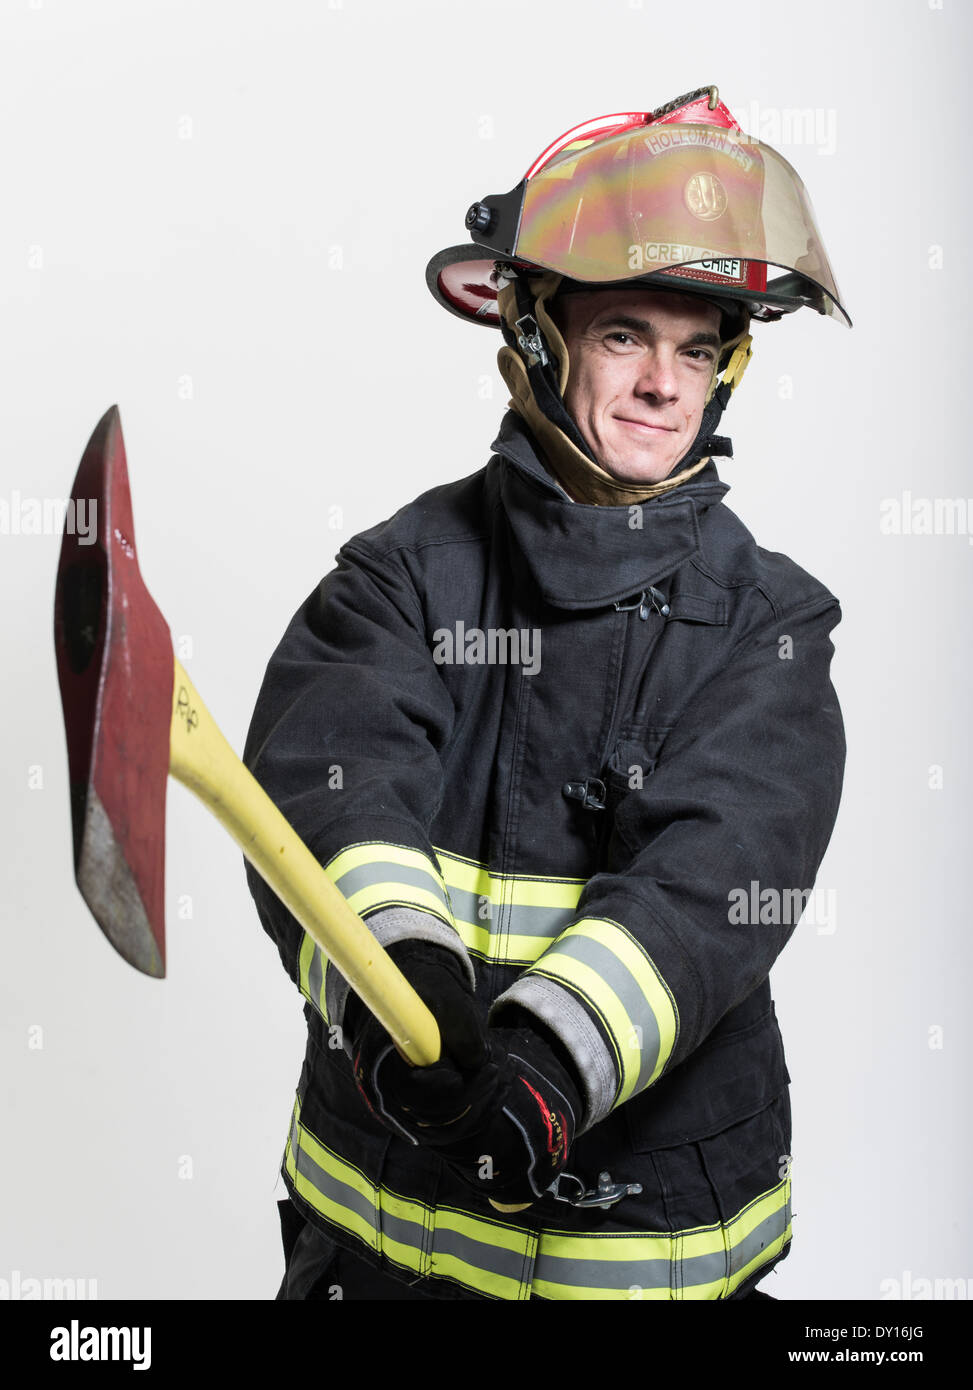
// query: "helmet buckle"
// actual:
[[531, 341]]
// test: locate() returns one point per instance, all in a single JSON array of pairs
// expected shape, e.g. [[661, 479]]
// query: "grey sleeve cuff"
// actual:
[[567, 1018], [388, 925]]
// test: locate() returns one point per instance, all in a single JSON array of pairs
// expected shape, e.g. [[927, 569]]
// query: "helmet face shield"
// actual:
[[692, 202]]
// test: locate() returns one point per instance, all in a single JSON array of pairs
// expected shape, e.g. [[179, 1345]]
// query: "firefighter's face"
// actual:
[[641, 362]]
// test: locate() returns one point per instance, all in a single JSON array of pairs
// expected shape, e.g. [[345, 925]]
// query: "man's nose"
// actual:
[[657, 376]]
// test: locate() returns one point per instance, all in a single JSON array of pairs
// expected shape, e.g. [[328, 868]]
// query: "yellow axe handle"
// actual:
[[201, 758]]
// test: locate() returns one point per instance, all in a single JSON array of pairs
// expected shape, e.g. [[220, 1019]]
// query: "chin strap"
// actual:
[[738, 363]]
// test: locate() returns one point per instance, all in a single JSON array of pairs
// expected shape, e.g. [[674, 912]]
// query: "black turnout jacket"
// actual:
[[596, 752]]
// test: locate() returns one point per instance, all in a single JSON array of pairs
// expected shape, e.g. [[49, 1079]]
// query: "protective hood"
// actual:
[[535, 366]]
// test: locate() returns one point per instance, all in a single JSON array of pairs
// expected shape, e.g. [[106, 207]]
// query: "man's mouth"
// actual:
[[645, 426]]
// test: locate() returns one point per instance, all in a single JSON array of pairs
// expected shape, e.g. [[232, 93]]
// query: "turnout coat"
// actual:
[[595, 751]]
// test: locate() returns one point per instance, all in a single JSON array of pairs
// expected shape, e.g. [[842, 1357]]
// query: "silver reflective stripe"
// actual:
[[629, 1274], [515, 919], [386, 871], [412, 1234], [623, 983], [508, 1264], [392, 924], [502, 1258], [709, 1262], [510, 918], [770, 1229], [567, 1017], [326, 1183], [444, 1242], [315, 978]]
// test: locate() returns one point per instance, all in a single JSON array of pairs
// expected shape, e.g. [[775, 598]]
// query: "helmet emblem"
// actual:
[[705, 197]]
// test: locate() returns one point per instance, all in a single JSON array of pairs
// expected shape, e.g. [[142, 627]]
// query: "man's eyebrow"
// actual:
[[637, 325]]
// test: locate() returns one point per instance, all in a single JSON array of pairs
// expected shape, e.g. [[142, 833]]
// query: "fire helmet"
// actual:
[[676, 199]]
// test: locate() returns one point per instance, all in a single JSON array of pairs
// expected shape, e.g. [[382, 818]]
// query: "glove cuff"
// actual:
[[389, 926]]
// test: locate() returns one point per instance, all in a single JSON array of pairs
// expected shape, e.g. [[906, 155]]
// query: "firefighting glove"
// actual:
[[524, 1108], [400, 1095]]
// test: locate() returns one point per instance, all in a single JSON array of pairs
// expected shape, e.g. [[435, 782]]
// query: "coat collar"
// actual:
[[582, 556]]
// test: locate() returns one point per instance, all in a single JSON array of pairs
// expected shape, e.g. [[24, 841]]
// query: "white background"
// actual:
[[218, 215]]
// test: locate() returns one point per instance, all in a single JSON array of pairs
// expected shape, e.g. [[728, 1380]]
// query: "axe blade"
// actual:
[[115, 670]]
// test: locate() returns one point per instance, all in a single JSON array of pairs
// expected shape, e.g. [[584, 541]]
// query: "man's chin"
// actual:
[[647, 460]]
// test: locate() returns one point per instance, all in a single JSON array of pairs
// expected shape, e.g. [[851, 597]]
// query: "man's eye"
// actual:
[[701, 354], [620, 334]]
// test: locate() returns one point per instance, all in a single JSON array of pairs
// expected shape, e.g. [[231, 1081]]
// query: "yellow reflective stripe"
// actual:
[[754, 1237], [757, 1211], [508, 918], [602, 962], [376, 873], [751, 1230], [508, 948], [501, 1236], [373, 874], [328, 1185], [505, 1260], [768, 1253], [460, 1237], [474, 1251], [448, 1266], [587, 983], [312, 965], [368, 851], [398, 1215], [405, 1256], [466, 873], [514, 888], [392, 894], [706, 1263], [566, 1293]]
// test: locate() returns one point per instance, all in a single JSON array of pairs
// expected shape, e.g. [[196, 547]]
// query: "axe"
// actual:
[[132, 717]]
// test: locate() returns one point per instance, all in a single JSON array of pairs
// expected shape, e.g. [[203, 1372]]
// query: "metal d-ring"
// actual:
[[605, 1195]]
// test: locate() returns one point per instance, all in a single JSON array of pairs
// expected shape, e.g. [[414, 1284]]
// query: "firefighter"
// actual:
[[548, 728]]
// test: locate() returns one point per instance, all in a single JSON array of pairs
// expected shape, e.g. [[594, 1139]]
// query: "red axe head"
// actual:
[[115, 668]]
